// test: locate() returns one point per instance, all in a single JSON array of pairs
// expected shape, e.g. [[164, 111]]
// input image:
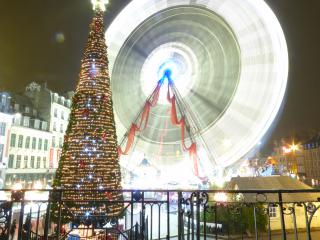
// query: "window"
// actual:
[[62, 115], [272, 211], [3, 100], [60, 142], [34, 143], [45, 146], [38, 162], [53, 141], [18, 163], [44, 126], [54, 126], [1, 151], [16, 107], [40, 144], [13, 140], [26, 121], [20, 141], [32, 162], [55, 112], [25, 162], [36, 123], [44, 162], [61, 128], [10, 163], [2, 128], [27, 143], [27, 110]]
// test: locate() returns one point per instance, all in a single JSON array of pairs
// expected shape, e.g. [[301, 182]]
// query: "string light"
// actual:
[[89, 159]]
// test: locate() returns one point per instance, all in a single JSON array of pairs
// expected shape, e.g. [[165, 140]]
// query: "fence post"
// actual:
[[255, 221], [198, 214], [21, 217], [180, 216], [308, 225], [283, 224], [168, 215], [47, 221]]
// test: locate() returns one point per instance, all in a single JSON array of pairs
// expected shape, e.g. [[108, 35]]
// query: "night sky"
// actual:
[[42, 40]]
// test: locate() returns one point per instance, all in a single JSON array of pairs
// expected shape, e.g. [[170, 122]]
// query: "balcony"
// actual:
[[163, 214]]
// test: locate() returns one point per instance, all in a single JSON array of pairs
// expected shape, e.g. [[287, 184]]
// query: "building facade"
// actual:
[[311, 151], [289, 158], [6, 118], [35, 137]]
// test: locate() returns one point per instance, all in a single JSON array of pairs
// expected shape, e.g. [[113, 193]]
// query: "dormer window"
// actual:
[[56, 97], [16, 107]]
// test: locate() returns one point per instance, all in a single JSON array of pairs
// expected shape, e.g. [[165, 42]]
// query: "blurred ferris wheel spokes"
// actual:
[[232, 65], [187, 124]]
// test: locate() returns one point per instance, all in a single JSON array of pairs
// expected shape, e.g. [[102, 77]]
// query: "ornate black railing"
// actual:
[[164, 214]]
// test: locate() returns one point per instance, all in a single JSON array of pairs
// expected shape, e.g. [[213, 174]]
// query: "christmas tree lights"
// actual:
[[89, 163]]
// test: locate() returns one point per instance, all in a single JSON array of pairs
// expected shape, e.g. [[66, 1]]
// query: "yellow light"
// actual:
[[220, 197], [99, 4], [294, 147], [286, 150]]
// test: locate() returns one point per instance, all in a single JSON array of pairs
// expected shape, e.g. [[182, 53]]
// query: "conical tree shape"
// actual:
[[89, 162]]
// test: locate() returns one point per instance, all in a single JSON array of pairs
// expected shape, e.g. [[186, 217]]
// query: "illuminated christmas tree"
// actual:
[[89, 162]]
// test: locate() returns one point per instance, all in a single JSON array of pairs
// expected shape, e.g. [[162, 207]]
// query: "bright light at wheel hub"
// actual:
[[174, 58]]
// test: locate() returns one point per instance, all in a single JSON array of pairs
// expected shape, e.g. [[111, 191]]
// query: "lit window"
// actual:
[[272, 211]]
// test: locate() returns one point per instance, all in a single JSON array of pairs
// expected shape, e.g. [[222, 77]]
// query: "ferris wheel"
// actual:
[[228, 61]]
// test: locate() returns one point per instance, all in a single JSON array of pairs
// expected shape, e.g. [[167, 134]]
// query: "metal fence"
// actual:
[[164, 214]]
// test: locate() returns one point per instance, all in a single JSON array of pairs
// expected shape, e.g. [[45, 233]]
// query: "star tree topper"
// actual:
[[99, 4]]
